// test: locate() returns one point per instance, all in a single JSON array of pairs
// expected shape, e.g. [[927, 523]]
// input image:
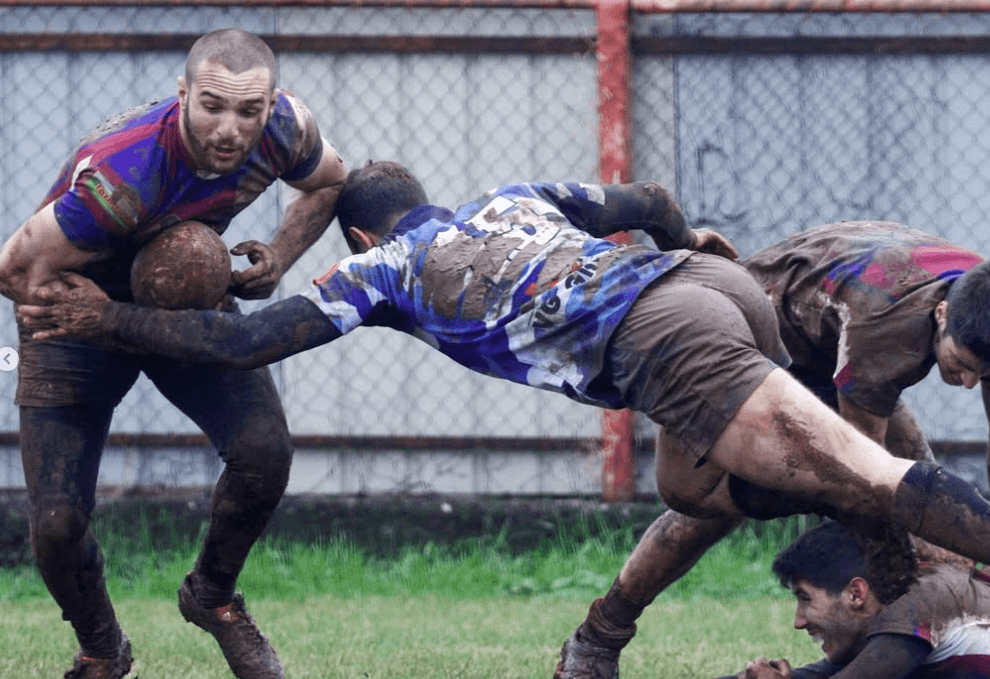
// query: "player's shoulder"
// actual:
[[288, 104], [291, 123], [135, 123]]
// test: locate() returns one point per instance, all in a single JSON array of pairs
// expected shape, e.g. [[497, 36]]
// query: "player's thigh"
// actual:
[[783, 438], [237, 409], [67, 392], [695, 487]]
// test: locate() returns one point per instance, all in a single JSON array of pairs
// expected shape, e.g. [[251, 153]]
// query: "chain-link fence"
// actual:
[[763, 122]]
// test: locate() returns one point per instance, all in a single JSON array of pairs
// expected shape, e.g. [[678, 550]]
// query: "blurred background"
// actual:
[[763, 118]]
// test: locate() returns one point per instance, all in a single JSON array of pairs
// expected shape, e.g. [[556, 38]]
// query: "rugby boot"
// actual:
[[102, 668], [593, 650], [246, 649]]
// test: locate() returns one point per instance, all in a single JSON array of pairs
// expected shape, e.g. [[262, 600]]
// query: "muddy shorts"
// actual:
[[694, 347]]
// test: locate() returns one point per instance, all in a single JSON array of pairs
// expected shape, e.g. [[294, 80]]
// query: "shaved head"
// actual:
[[232, 48]]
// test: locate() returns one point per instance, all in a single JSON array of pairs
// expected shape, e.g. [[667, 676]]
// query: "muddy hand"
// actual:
[[761, 668], [70, 307], [714, 243], [260, 279]]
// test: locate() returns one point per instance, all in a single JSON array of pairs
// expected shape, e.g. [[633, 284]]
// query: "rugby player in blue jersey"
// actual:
[[521, 284]]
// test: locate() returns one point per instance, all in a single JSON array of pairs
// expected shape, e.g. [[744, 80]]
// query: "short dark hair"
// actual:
[[232, 48], [968, 317], [827, 556], [830, 555], [374, 195]]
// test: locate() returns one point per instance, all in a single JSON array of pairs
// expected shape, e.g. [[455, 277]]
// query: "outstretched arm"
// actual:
[[231, 340]]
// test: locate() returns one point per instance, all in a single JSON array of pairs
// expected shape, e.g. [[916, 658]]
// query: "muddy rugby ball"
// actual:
[[186, 266]]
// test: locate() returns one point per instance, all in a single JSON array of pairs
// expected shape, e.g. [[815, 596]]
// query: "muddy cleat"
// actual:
[[246, 649], [102, 668], [580, 659]]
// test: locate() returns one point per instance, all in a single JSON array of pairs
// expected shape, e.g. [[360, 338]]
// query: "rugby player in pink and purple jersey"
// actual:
[[203, 155]]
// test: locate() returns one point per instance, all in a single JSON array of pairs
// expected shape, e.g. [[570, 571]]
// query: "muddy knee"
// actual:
[[258, 462], [56, 528]]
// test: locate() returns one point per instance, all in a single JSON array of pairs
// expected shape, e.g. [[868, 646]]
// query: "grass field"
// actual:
[[434, 611]]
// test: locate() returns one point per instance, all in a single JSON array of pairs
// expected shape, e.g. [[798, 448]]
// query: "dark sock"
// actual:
[[611, 620], [209, 593], [944, 510]]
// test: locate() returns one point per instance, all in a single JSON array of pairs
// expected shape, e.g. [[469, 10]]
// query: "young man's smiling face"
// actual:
[[836, 621], [224, 115]]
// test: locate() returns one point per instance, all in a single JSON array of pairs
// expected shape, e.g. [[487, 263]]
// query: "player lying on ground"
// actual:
[[519, 284], [865, 310], [938, 629], [205, 154]]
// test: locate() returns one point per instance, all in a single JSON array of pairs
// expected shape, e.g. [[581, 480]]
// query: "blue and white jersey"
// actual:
[[519, 284]]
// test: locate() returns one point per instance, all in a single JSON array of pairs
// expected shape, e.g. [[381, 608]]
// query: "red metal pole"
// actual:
[[615, 144]]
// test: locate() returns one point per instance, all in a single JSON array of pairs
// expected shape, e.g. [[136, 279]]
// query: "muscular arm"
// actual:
[[230, 340], [649, 207], [311, 210], [35, 255], [84, 311]]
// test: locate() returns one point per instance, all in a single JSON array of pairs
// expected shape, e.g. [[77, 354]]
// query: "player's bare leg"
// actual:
[[788, 441], [668, 549], [783, 438]]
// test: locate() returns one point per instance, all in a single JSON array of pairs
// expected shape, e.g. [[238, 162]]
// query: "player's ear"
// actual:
[[364, 239], [182, 90], [857, 591], [941, 314]]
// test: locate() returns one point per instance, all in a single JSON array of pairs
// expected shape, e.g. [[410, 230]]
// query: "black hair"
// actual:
[[234, 49], [830, 555], [827, 556], [374, 195], [968, 317]]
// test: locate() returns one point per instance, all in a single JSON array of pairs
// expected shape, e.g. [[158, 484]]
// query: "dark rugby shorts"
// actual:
[[695, 345]]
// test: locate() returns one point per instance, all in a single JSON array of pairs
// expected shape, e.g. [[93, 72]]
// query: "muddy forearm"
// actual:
[[650, 207], [886, 656], [212, 337], [306, 218]]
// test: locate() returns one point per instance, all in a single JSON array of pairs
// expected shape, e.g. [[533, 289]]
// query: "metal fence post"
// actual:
[[615, 144]]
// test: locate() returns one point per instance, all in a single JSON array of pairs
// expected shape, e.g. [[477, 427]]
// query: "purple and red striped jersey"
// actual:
[[131, 178]]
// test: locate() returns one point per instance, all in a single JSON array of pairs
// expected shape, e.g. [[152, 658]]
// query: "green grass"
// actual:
[[575, 566], [469, 609], [399, 636]]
